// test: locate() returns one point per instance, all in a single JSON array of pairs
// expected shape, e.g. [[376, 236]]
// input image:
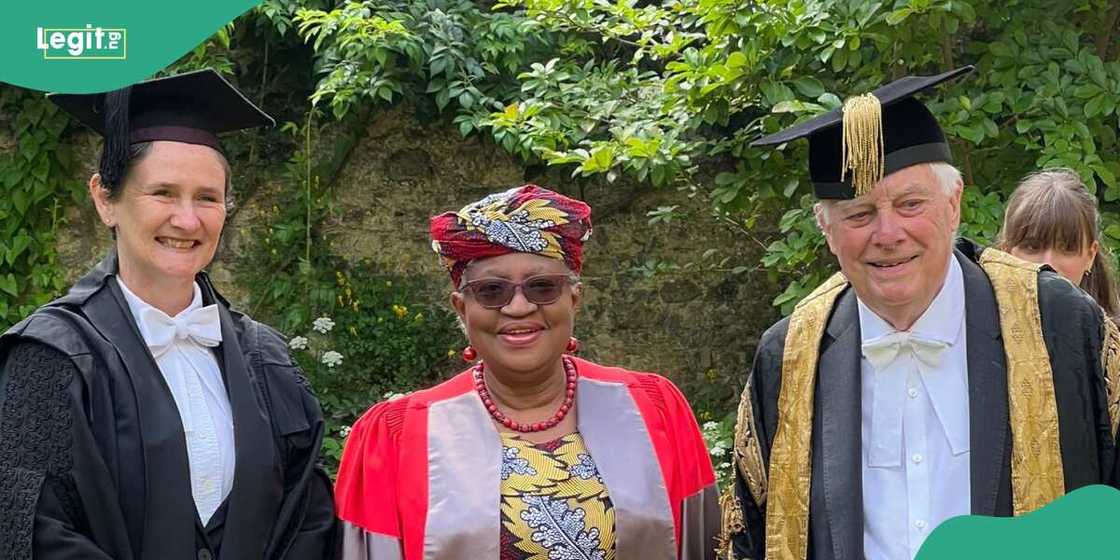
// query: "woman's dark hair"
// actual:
[[112, 180], [1052, 209]]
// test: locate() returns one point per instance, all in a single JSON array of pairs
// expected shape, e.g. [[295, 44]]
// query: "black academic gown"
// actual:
[[93, 460], [1073, 332]]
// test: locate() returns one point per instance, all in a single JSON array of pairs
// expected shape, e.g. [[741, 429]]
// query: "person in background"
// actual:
[[1053, 219], [141, 418], [530, 452]]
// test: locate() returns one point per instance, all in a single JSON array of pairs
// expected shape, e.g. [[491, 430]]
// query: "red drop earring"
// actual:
[[573, 345], [469, 354]]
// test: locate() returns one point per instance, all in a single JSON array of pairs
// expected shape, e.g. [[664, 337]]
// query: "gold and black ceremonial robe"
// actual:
[[1063, 414], [93, 459]]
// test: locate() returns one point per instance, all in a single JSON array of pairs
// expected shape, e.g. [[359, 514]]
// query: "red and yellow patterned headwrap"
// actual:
[[526, 219]]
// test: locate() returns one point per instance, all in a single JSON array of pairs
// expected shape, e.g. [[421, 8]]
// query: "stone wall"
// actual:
[[697, 323]]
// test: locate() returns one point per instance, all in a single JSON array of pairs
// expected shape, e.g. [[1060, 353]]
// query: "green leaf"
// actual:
[[896, 17], [999, 49], [1096, 71], [8, 284], [19, 245], [791, 187], [20, 201], [809, 86], [1093, 106], [443, 98], [736, 60], [795, 106], [839, 60], [1087, 91], [830, 101]]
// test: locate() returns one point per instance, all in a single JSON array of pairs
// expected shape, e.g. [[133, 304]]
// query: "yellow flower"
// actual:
[[400, 311]]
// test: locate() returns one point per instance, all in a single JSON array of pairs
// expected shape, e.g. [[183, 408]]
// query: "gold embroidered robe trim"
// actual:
[[1110, 365], [1037, 477], [731, 523], [787, 514], [747, 452], [1036, 465]]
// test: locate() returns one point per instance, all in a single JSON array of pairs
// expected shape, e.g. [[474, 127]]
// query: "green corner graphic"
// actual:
[[79, 46], [1077, 525]]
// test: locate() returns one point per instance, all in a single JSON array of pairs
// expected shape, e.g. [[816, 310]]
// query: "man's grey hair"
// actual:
[[946, 174]]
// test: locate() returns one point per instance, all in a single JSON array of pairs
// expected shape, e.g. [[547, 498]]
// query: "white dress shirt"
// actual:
[[915, 426], [192, 373]]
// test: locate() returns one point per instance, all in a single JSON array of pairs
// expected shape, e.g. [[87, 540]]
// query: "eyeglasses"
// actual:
[[496, 293]]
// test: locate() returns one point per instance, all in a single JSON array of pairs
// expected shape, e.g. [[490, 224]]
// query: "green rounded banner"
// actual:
[[1077, 525], [78, 46]]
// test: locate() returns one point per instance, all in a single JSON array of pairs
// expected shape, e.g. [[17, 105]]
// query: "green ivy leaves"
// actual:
[[36, 177]]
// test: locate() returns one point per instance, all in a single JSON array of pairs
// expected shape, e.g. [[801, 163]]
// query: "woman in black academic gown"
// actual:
[[141, 417]]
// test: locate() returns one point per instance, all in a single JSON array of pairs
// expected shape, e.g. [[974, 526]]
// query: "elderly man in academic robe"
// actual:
[[141, 418], [930, 378]]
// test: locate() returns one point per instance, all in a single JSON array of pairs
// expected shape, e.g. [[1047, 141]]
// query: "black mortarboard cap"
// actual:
[[871, 136], [194, 107]]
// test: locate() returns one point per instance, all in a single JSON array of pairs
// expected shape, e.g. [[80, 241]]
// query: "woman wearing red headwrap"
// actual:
[[530, 453]]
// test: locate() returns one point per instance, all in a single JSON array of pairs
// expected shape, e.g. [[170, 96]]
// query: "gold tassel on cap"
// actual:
[[861, 147]]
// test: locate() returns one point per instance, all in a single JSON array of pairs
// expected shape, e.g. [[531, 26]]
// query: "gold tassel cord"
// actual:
[[861, 146]]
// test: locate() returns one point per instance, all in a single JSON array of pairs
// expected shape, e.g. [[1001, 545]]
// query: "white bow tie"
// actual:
[[882, 351], [201, 325], [890, 387]]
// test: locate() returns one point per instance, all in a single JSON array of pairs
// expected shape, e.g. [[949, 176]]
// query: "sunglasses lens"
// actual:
[[543, 290], [493, 293]]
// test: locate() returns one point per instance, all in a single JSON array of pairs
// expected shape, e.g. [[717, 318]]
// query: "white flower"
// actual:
[[709, 426], [322, 325], [724, 466], [344, 431], [392, 395], [298, 343], [332, 358], [718, 451]]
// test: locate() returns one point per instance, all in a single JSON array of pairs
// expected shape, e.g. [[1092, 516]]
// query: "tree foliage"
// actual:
[[671, 93], [34, 174]]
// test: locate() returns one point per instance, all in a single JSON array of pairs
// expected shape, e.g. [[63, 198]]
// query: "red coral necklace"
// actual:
[[492, 408]]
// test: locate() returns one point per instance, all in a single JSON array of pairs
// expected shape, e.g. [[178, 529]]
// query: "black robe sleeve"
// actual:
[[316, 534], [1074, 331], [42, 515], [306, 525], [762, 389]]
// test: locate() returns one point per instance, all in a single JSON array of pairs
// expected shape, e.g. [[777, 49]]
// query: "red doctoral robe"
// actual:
[[420, 474]]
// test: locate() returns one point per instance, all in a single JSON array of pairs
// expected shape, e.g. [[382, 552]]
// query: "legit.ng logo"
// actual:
[[89, 43]]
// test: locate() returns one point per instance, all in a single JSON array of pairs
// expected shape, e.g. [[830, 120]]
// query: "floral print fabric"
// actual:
[[554, 504]]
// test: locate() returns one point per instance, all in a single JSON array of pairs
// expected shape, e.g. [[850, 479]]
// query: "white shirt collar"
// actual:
[[137, 306], [941, 321]]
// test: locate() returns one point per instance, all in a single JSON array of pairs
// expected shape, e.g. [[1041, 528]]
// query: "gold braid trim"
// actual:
[[787, 513], [732, 522], [861, 147], [748, 458], [1037, 477], [748, 450], [1110, 365]]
